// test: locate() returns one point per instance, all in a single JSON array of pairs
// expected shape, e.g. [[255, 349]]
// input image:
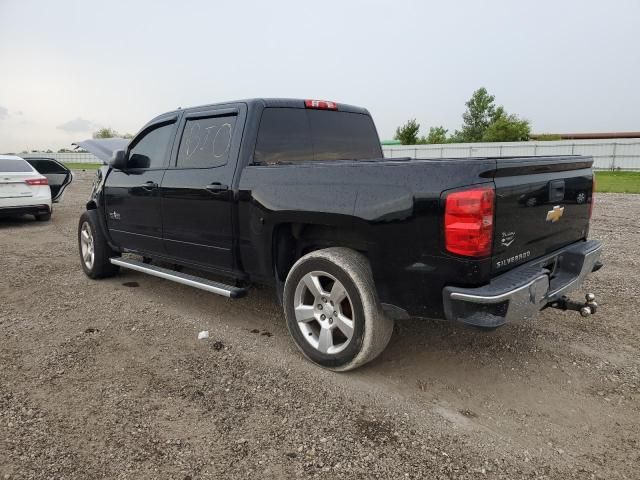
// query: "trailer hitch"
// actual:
[[589, 307]]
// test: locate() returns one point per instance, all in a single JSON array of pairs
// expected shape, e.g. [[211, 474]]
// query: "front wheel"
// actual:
[[93, 248], [332, 311]]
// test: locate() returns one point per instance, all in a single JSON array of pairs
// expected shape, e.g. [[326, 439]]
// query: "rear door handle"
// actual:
[[150, 185], [217, 188]]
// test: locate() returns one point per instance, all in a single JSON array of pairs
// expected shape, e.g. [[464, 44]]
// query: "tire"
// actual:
[[43, 217], [94, 245], [340, 280]]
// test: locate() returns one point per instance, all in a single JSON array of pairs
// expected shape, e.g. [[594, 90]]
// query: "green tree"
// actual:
[[436, 135], [105, 132], [407, 134], [507, 128], [481, 112]]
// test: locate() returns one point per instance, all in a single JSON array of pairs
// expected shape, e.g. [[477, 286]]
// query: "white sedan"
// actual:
[[22, 189]]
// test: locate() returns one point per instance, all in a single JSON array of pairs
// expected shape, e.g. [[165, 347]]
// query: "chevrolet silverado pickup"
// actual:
[[297, 194]]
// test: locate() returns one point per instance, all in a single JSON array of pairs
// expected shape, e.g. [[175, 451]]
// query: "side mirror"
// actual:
[[118, 160]]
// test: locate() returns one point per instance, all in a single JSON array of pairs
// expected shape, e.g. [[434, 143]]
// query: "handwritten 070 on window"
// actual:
[[205, 142]]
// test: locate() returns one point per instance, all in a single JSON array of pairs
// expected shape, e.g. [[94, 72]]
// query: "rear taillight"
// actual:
[[37, 181], [468, 221], [593, 195], [321, 104]]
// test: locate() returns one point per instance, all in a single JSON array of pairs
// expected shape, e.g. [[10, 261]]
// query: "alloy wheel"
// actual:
[[324, 312], [87, 245]]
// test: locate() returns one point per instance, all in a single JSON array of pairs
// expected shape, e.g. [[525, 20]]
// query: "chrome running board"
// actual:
[[179, 277]]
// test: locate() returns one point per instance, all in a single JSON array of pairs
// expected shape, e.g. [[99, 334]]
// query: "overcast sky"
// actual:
[[69, 67]]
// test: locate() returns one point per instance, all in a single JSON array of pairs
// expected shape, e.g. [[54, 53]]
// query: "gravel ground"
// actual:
[[106, 379]]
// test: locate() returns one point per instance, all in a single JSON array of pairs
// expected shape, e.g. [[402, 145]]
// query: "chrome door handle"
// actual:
[[217, 187]]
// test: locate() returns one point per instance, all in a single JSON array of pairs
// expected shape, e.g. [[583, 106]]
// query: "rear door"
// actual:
[[542, 204], [132, 196], [58, 175], [196, 191]]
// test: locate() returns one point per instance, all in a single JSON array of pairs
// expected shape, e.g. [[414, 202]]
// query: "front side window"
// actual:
[[206, 142], [152, 149]]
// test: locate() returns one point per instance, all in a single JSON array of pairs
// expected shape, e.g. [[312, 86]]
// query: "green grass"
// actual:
[[82, 166], [618, 182]]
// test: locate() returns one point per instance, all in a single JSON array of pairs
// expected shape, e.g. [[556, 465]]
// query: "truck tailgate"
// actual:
[[542, 204]]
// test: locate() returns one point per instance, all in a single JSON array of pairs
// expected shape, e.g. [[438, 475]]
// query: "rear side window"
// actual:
[[206, 142], [152, 149], [298, 135], [44, 166], [14, 165]]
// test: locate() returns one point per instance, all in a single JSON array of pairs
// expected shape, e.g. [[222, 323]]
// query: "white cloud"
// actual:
[[78, 125], [4, 113]]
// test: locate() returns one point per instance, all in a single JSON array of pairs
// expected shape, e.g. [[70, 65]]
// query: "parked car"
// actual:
[[297, 194], [59, 176], [23, 190]]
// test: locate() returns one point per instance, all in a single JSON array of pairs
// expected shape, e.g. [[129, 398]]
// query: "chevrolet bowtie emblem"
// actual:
[[555, 214]]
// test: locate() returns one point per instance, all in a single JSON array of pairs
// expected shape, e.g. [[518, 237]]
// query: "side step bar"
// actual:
[[179, 277]]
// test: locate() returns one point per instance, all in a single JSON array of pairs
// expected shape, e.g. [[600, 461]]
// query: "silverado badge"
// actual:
[[554, 214]]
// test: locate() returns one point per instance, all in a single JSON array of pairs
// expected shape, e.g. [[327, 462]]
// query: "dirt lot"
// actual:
[[106, 379]]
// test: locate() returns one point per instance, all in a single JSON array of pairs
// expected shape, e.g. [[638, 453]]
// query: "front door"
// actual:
[[197, 195], [132, 195]]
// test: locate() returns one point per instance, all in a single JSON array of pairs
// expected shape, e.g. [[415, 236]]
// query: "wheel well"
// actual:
[[293, 240]]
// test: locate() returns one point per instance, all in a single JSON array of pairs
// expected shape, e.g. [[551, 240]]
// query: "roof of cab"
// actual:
[[265, 102]]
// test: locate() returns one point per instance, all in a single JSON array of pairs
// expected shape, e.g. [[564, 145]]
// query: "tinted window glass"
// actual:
[[343, 136], [284, 136], [151, 150], [295, 135], [206, 142], [14, 165], [44, 165]]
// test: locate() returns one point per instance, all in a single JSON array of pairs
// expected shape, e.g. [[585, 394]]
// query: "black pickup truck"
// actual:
[[297, 194]]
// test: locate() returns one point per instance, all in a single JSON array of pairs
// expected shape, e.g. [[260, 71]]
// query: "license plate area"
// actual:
[[566, 267], [14, 189], [551, 265]]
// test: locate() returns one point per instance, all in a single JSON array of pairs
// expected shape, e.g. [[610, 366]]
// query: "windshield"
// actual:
[[14, 165]]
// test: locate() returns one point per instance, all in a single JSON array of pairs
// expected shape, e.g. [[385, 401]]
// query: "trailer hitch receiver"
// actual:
[[587, 308]]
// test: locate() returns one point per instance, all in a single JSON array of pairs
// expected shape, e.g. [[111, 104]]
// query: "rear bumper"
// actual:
[[522, 292], [24, 210]]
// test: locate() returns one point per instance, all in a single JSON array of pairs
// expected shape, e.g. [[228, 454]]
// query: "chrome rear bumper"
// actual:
[[525, 290]]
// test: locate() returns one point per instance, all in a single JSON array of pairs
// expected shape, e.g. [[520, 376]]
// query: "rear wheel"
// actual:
[[94, 249], [332, 311]]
